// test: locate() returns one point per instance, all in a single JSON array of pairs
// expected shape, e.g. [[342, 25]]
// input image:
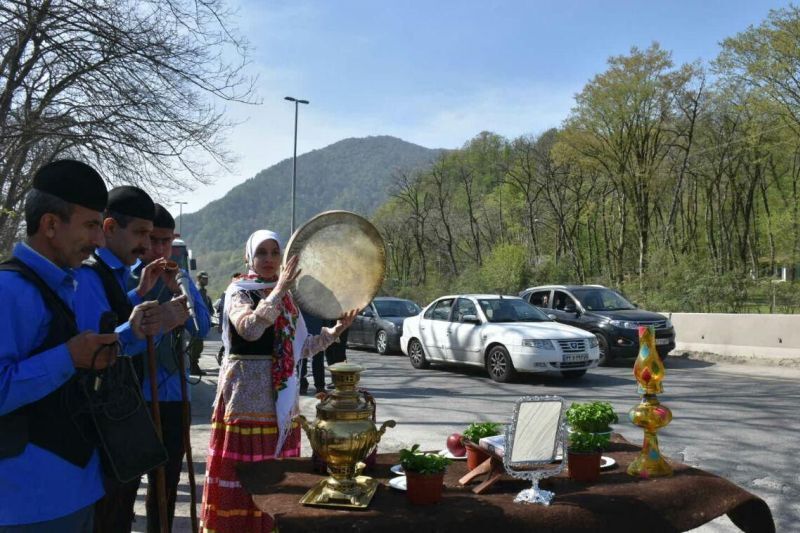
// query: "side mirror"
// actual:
[[367, 313], [570, 308], [192, 264], [551, 316], [471, 319]]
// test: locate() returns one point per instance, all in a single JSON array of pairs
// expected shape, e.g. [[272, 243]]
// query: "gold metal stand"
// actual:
[[649, 415], [342, 435]]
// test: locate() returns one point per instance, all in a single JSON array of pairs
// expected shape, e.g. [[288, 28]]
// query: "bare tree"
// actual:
[[409, 191], [127, 85]]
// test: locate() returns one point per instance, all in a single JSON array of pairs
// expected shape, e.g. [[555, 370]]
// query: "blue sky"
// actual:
[[437, 73]]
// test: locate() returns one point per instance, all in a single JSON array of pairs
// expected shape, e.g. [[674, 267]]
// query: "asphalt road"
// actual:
[[737, 421]]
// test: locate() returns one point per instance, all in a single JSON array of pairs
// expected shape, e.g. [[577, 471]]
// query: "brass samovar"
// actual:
[[343, 435]]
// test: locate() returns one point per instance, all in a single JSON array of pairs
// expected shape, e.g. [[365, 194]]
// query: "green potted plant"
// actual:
[[584, 452], [590, 431], [592, 417], [474, 433], [424, 475]]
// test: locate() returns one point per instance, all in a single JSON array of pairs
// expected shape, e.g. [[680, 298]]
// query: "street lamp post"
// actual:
[[297, 103], [180, 217]]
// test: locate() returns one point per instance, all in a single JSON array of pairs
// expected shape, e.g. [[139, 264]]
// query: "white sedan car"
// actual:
[[503, 334]]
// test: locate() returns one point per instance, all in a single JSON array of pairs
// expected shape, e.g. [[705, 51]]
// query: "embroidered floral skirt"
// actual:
[[227, 507]]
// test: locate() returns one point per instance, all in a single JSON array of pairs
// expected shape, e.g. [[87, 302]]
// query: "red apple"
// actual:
[[455, 446]]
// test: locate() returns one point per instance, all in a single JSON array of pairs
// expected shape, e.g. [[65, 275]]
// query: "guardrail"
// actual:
[[740, 335]]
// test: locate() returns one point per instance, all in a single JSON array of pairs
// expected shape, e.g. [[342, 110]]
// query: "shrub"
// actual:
[[592, 417], [414, 460], [479, 430]]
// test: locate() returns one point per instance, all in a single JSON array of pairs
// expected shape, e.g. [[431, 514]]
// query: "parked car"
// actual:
[[380, 324], [503, 334], [606, 313]]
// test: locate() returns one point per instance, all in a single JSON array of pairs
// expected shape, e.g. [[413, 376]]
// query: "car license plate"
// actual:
[[575, 357], [662, 342]]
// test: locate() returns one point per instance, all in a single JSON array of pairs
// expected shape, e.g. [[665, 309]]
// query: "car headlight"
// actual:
[[541, 344], [624, 324], [669, 323], [593, 342]]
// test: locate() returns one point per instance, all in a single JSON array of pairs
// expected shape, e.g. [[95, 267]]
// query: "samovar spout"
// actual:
[[300, 419]]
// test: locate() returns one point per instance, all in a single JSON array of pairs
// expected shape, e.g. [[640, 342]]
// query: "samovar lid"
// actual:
[[346, 367]]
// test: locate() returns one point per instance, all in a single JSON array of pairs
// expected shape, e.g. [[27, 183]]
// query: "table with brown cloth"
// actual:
[[617, 502]]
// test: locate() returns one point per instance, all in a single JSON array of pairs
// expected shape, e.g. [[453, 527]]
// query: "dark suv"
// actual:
[[604, 312]]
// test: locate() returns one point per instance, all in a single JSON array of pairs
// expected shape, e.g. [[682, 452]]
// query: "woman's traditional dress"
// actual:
[[257, 396]]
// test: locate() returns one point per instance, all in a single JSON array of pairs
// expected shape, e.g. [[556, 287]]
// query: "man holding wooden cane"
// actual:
[[170, 355], [103, 287]]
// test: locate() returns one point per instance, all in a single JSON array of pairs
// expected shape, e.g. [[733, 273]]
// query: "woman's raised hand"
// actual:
[[288, 275], [344, 322]]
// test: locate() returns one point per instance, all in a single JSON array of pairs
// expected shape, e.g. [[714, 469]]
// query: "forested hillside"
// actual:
[[352, 174], [679, 184]]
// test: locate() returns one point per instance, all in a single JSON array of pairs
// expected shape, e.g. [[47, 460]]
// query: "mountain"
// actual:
[[352, 174]]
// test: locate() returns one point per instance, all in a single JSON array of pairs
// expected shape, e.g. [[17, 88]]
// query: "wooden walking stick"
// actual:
[[161, 486], [187, 442]]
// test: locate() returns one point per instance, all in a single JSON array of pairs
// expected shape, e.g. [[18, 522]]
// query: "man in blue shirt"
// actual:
[[170, 349], [103, 280], [103, 286], [49, 472]]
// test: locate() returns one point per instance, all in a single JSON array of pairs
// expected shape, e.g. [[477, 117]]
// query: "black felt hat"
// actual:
[[73, 182], [131, 201], [163, 218]]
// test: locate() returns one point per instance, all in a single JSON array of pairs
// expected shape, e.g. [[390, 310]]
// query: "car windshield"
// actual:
[[511, 310], [602, 299], [401, 308]]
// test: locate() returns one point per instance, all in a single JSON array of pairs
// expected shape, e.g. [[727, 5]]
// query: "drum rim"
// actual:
[[369, 229]]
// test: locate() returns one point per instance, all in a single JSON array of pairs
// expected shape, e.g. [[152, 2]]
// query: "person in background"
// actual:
[[197, 345], [50, 475], [202, 286], [314, 326]]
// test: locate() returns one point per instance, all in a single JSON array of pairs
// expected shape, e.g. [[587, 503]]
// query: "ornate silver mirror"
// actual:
[[533, 438]]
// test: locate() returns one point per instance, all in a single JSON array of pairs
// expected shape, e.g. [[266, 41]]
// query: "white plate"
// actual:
[[398, 482], [398, 470], [446, 453], [606, 462]]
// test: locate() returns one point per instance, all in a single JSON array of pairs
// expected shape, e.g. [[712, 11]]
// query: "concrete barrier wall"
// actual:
[[739, 335]]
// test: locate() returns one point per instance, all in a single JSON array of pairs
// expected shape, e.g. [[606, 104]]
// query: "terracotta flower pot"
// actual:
[[584, 467], [424, 489], [475, 456]]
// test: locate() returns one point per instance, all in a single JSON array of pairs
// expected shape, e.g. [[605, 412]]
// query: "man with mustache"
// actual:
[[168, 352], [103, 279], [50, 474], [103, 286]]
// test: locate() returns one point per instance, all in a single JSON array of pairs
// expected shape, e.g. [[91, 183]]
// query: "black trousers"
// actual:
[[317, 371], [172, 432], [113, 513]]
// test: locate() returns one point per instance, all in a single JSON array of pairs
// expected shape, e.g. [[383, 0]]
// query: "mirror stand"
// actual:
[[535, 434], [536, 494]]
